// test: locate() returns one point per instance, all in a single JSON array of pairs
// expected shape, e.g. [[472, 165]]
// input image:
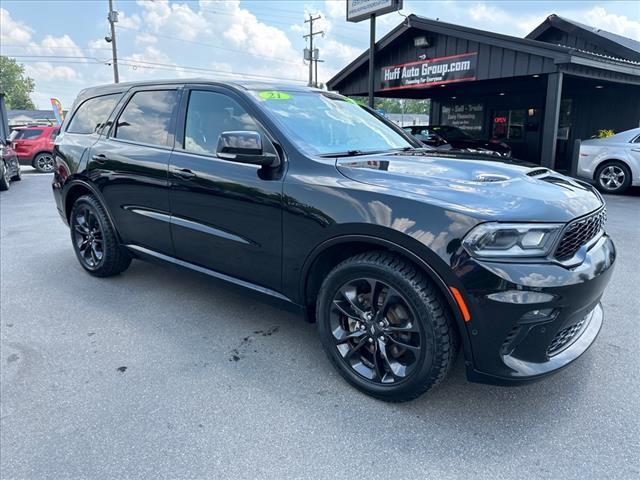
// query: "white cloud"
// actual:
[[600, 18], [146, 38], [13, 32], [335, 8]]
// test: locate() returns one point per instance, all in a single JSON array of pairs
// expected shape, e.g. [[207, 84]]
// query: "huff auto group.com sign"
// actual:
[[430, 72]]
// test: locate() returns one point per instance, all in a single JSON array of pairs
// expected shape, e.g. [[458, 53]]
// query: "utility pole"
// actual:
[[113, 18], [372, 56], [310, 36]]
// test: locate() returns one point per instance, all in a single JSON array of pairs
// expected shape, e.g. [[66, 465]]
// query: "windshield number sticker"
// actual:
[[274, 95]]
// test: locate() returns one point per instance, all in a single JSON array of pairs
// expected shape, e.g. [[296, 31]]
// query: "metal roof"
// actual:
[[559, 53], [614, 41]]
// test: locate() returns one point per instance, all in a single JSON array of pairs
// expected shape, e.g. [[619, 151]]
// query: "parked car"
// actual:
[[613, 163], [453, 137], [400, 255], [9, 165], [34, 146]]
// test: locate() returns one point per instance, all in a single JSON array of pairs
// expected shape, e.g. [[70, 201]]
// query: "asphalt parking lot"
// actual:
[[162, 373]]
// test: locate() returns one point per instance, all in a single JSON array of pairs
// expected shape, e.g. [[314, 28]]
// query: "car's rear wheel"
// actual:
[[18, 176], [4, 177], [385, 327], [43, 162], [94, 239], [613, 177]]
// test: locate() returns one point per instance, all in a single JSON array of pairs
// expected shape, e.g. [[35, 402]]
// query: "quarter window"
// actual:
[[147, 117], [208, 115], [92, 114]]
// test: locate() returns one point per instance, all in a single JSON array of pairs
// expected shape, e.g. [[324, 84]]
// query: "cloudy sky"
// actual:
[[61, 43]]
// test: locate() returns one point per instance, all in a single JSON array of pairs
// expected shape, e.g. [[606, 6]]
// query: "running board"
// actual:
[[211, 273]]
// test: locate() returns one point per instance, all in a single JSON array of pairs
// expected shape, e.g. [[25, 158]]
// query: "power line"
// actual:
[[74, 59], [169, 37]]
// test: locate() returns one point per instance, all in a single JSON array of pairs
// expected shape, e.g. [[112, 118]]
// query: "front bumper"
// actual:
[[517, 342]]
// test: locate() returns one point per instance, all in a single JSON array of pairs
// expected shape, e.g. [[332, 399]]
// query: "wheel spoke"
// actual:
[[357, 335], [343, 310], [378, 358], [403, 344], [350, 293], [410, 327], [352, 351], [382, 347]]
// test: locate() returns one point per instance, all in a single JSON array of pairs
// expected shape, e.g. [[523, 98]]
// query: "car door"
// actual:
[[130, 166], [226, 216]]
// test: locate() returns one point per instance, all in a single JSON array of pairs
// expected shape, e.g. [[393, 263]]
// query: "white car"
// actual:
[[613, 163]]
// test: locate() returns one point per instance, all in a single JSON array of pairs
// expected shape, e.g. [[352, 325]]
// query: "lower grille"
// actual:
[[579, 233], [565, 336]]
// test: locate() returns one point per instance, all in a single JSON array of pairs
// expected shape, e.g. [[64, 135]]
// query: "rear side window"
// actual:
[[93, 113], [28, 134], [147, 117], [55, 132]]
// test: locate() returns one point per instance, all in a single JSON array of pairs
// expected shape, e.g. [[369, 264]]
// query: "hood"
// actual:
[[490, 189]]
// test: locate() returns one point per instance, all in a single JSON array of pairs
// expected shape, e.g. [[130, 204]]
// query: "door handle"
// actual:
[[635, 149], [183, 173], [99, 158]]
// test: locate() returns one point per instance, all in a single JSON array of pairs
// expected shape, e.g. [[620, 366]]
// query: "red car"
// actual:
[[34, 146]]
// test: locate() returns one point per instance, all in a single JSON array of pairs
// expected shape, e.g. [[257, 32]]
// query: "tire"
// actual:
[[409, 311], [94, 239], [43, 162], [613, 177], [4, 177], [17, 177]]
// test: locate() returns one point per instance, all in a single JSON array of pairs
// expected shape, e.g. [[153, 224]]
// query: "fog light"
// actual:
[[537, 315], [520, 297]]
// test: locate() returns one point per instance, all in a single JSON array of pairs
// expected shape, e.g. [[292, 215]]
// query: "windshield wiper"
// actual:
[[348, 153]]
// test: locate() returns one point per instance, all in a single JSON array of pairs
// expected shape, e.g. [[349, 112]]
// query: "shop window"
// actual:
[[509, 124]]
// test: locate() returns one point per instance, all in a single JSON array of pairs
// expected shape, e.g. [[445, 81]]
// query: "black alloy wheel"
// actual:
[[385, 326], [88, 239], [4, 176], [94, 239], [375, 330]]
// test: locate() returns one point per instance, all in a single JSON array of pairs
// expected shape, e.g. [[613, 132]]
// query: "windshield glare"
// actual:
[[326, 123]]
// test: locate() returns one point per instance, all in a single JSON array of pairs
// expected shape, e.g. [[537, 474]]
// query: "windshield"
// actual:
[[326, 123], [451, 133]]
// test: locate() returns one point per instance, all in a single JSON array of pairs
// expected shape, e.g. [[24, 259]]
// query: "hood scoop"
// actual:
[[536, 172]]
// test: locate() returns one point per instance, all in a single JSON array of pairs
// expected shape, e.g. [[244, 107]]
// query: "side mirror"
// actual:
[[244, 147]]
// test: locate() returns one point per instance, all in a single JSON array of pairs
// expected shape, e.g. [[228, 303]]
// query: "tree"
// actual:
[[15, 85]]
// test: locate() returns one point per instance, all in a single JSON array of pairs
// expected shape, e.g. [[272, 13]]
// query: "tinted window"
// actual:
[[55, 132], [28, 134], [92, 114], [208, 115], [147, 117]]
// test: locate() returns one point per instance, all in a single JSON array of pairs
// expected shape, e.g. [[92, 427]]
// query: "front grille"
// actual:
[[564, 336], [580, 232]]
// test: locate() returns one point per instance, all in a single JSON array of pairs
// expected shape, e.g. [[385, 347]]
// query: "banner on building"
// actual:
[[430, 72], [57, 110]]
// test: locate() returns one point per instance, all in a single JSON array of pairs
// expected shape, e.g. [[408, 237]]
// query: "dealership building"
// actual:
[[563, 82]]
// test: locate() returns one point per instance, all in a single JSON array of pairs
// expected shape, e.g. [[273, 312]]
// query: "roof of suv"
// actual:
[[237, 84]]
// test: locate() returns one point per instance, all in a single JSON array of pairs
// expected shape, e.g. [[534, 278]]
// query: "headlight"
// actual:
[[499, 240]]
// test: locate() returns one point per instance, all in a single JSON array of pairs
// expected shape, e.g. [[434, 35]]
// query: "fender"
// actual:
[[442, 281], [95, 191]]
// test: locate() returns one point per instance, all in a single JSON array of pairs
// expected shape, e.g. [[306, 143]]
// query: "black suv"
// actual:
[[401, 255]]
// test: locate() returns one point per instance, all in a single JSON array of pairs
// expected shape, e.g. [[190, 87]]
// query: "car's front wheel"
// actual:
[[613, 177], [94, 239], [4, 177], [44, 162], [385, 327]]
